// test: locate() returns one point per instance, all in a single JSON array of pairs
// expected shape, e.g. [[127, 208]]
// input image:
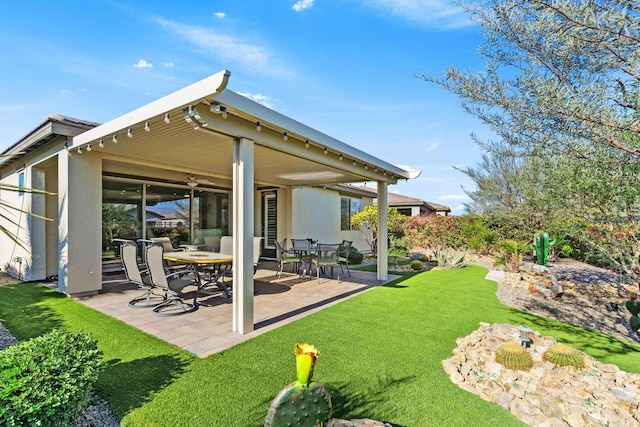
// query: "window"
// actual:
[[348, 207], [21, 183]]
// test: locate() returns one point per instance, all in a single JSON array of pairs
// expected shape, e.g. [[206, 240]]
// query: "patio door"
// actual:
[[269, 223]]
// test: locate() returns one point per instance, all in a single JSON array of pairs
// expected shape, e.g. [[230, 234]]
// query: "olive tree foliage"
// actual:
[[562, 77], [605, 198]]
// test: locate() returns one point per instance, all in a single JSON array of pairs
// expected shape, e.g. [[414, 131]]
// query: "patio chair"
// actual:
[[212, 243], [343, 258], [226, 245], [129, 257], [327, 255], [172, 284], [167, 246], [286, 256], [301, 243], [257, 248]]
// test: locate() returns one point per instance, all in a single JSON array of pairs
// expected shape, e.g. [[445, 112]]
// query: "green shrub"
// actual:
[[46, 381], [355, 257], [416, 264]]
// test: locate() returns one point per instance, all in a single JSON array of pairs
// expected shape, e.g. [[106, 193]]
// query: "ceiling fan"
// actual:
[[193, 181]]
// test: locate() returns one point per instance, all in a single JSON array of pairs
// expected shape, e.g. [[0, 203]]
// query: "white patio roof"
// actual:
[[191, 132]]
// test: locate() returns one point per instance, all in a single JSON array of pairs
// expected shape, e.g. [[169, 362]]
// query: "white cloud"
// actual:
[[433, 13], [220, 15], [453, 197], [169, 64], [227, 48], [431, 147], [143, 64], [302, 5], [259, 98]]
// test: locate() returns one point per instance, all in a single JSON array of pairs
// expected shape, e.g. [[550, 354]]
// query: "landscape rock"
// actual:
[[545, 395]]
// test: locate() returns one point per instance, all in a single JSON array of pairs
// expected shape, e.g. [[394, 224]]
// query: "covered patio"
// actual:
[[240, 160], [208, 329]]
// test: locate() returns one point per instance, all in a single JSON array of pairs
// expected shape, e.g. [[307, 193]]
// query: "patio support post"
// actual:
[[79, 223], [383, 235], [243, 221]]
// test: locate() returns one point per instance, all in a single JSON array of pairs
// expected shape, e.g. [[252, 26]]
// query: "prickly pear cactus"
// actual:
[[304, 402], [633, 305], [563, 355], [514, 356], [297, 405]]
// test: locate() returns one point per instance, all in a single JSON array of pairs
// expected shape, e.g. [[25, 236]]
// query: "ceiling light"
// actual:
[[258, 127], [192, 184]]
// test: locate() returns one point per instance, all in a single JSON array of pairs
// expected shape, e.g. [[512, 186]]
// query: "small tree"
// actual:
[[367, 221]]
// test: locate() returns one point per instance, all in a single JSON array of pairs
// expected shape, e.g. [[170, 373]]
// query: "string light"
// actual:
[[285, 136], [147, 128], [89, 147], [115, 139], [101, 144], [258, 127], [129, 134], [340, 157], [306, 144], [326, 151], [166, 118]]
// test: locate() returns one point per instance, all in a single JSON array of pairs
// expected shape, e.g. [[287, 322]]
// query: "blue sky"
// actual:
[[344, 67]]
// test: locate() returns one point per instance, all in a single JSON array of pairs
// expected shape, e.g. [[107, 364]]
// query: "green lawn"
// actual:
[[381, 355]]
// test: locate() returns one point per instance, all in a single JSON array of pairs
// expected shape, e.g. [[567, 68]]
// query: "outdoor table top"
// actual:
[[198, 257]]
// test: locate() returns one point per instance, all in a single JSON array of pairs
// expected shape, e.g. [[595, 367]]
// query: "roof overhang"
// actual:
[[192, 131]]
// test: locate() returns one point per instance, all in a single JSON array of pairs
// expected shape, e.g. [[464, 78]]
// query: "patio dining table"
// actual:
[[209, 268], [305, 250]]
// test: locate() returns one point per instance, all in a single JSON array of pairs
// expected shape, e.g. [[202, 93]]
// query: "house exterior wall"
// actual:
[[39, 258], [80, 223], [316, 214], [14, 259]]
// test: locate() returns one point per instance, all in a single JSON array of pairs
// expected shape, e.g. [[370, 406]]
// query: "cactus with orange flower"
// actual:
[[303, 402]]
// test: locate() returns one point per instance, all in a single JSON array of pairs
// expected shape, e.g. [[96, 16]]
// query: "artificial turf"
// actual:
[[380, 355]]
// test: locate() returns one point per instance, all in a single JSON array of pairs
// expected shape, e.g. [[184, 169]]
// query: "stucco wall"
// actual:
[[316, 214]]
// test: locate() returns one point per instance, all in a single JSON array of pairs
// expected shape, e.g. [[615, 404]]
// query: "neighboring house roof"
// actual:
[[398, 200], [54, 126]]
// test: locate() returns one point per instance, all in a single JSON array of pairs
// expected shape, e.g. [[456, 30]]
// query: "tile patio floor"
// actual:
[[208, 329]]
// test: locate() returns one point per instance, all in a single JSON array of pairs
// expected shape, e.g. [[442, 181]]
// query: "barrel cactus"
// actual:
[[633, 305], [563, 355], [514, 356], [303, 402]]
